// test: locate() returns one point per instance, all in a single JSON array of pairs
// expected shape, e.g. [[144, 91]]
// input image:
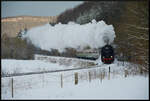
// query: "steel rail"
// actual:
[[51, 71]]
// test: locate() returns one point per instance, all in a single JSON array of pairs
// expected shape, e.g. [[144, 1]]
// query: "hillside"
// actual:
[[129, 18], [12, 25]]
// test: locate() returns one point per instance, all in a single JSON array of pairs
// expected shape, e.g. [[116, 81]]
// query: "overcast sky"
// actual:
[[36, 8]]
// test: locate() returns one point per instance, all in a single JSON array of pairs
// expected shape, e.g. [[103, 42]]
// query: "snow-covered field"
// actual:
[[49, 87], [51, 63], [42, 63], [94, 83], [121, 88]]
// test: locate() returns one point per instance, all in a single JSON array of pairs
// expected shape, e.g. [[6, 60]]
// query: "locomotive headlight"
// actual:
[[111, 56]]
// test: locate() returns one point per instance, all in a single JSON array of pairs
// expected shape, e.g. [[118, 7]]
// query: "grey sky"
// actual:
[[36, 8]]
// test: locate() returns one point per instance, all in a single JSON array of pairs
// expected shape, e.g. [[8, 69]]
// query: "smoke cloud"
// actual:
[[71, 35]]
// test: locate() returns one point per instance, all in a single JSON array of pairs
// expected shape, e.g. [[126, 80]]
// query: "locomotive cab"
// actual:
[[107, 54]]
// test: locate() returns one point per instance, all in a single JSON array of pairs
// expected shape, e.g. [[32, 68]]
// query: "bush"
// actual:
[[69, 52], [15, 48]]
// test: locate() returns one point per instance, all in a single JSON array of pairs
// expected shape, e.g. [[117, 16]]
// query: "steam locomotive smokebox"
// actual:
[[107, 54]]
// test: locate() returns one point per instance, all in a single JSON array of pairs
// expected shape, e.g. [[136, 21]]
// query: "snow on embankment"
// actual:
[[70, 35], [75, 62], [11, 66], [42, 63]]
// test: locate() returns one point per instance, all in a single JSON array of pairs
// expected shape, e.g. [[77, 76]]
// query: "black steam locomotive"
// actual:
[[107, 54]]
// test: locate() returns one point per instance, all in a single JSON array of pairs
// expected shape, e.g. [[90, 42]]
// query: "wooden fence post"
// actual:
[[76, 78], [123, 60], [101, 76], [89, 76], [95, 73], [12, 88], [126, 72], [43, 79], [109, 73], [141, 71], [61, 81]]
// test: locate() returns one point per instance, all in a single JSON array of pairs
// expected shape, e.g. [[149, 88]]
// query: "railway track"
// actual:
[[51, 71]]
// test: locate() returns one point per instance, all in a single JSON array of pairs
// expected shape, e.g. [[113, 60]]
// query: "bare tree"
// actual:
[[134, 35]]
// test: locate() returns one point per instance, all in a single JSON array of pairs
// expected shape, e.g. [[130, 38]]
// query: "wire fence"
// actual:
[[60, 79]]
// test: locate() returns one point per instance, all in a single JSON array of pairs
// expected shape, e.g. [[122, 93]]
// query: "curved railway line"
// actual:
[[51, 71]]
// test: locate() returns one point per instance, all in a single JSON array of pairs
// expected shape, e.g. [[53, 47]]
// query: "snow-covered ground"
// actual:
[[94, 83], [49, 87], [121, 88], [51, 63], [42, 63]]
